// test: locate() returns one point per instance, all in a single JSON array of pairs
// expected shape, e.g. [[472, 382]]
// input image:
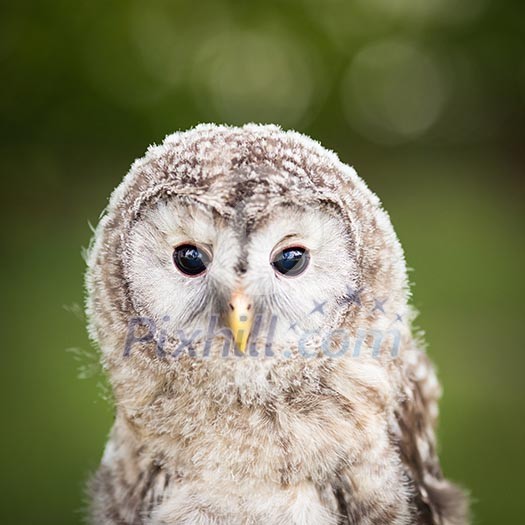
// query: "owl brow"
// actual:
[[196, 212], [286, 239], [289, 236]]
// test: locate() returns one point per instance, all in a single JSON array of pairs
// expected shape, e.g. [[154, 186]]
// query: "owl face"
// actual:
[[197, 273]]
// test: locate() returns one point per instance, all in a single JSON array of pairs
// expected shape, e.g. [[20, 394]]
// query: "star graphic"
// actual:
[[318, 307], [293, 326], [399, 318], [352, 295], [379, 305]]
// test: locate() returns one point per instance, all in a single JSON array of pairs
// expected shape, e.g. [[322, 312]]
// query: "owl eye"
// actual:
[[291, 261], [190, 259]]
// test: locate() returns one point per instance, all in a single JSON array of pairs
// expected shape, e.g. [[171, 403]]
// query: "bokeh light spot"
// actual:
[[254, 76], [392, 92], [438, 10]]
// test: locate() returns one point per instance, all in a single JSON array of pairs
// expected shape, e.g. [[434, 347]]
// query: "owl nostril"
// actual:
[[248, 308]]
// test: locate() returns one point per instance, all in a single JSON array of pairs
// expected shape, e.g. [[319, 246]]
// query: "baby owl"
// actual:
[[250, 301]]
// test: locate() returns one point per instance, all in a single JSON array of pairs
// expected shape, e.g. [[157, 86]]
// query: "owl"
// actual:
[[249, 298]]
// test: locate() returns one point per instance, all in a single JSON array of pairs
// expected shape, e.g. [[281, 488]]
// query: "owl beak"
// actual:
[[240, 318]]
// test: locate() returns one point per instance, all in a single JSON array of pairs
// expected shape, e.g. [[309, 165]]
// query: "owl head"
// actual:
[[247, 235]]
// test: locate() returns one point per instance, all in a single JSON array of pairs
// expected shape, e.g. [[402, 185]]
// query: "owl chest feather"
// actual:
[[282, 425], [258, 441]]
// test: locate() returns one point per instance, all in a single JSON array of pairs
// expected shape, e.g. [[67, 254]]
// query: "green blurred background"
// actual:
[[425, 98]]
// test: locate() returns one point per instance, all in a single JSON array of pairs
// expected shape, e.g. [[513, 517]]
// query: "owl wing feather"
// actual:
[[438, 501], [411, 486]]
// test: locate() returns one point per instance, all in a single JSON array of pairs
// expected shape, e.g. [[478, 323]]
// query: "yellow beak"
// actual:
[[240, 318]]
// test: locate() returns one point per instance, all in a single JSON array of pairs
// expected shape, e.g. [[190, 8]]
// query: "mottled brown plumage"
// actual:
[[279, 439]]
